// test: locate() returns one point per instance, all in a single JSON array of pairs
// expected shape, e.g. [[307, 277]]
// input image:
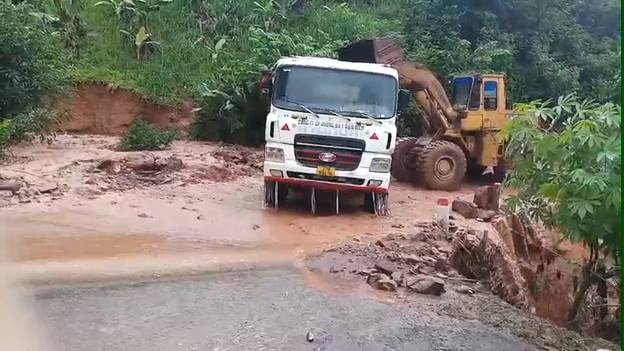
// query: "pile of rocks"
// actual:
[[13, 191], [134, 171], [418, 262]]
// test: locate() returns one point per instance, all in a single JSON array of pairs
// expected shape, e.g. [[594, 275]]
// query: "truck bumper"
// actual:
[[292, 173]]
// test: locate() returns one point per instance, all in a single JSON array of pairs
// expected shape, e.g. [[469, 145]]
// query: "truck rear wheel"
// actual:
[[404, 160], [442, 165]]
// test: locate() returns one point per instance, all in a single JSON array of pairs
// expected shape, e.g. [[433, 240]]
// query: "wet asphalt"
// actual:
[[255, 310]]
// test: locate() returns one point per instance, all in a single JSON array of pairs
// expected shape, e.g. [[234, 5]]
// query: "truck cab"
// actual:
[[331, 127]]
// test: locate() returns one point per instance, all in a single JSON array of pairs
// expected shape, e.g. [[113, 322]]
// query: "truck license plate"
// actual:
[[326, 171]]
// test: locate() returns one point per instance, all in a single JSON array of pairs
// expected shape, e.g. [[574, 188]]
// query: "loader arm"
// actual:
[[428, 93]]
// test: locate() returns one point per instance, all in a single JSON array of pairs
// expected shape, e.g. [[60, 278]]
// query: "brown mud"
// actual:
[[73, 214]]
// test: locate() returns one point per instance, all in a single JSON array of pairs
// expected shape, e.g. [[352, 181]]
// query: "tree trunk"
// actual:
[[586, 282]]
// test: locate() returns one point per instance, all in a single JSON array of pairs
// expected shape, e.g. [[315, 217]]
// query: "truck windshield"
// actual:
[[349, 93]]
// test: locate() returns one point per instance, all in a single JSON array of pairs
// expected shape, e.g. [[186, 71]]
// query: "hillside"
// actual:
[[211, 51]]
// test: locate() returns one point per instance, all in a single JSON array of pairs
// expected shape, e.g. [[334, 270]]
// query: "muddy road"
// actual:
[[135, 248], [173, 315], [94, 216]]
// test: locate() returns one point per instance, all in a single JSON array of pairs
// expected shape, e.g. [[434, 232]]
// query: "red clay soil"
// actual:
[[97, 109]]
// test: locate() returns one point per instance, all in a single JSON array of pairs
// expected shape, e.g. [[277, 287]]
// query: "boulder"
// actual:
[[426, 284], [464, 208], [487, 197], [482, 196]]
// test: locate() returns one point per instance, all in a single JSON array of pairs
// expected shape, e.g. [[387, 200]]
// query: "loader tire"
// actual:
[[404, 160], [442, 165]]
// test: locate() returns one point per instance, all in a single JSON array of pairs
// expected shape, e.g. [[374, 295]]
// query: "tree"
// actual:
[[566, 158], [32, 61]]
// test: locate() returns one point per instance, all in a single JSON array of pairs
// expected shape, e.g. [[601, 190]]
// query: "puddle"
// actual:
[[32, 248]]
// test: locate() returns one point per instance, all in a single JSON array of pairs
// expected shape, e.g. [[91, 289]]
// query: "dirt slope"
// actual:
[[97, 109]]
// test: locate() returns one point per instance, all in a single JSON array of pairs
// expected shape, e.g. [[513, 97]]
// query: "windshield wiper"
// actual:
[[303, 107], [365, 115], [334, 113]]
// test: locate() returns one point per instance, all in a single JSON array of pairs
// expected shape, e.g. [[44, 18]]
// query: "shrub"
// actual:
[[144, 136], [567, 170], [5, 135]]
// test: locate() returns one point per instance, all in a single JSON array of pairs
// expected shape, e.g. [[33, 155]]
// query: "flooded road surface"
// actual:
[[194, 217]]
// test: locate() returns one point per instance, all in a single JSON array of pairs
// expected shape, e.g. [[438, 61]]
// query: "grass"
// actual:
[[184, 61]]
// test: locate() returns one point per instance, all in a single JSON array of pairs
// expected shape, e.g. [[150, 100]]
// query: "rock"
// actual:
[[386, 268], [397, 277], [425, 284], [144, 215], [463, 289], [397, 225], [482, 196], [110, 166], [485, 215], [310, 337], [333, 269], [90, 181], [141, 162], [412, 259], [381, 282], [200, 217], [255, 227], [173, 164], [464, 208], [487, 197], [11, 186], [380, 243]]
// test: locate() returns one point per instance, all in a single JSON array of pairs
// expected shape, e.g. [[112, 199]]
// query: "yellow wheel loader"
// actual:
[[461, 130]]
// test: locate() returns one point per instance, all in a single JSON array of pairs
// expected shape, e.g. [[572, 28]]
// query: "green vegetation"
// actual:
[[144, 136], [211, 51], [567, 170], [33, 66]]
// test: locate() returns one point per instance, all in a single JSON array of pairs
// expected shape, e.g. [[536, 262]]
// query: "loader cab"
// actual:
[[478, 92], [480, 99]]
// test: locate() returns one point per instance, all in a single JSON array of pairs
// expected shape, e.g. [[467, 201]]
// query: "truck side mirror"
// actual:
[[265, 80], [404, 100]]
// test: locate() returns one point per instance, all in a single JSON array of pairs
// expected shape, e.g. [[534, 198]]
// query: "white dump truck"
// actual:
[[331, 127]]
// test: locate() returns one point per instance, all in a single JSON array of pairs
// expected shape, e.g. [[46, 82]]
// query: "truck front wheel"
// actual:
[[270, 199], [376, 204]]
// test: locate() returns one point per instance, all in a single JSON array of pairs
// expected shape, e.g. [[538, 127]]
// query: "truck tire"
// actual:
[[442, 165], [404, 160]]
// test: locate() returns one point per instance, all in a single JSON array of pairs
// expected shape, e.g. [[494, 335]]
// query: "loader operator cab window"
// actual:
[[490, 101], [461, 92], [466, 93]]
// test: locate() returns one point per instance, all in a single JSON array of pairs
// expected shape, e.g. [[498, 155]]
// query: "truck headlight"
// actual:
[[380, 165], [274, 154]]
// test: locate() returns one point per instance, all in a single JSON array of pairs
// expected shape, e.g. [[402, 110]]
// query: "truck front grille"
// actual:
[[348, 151]]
